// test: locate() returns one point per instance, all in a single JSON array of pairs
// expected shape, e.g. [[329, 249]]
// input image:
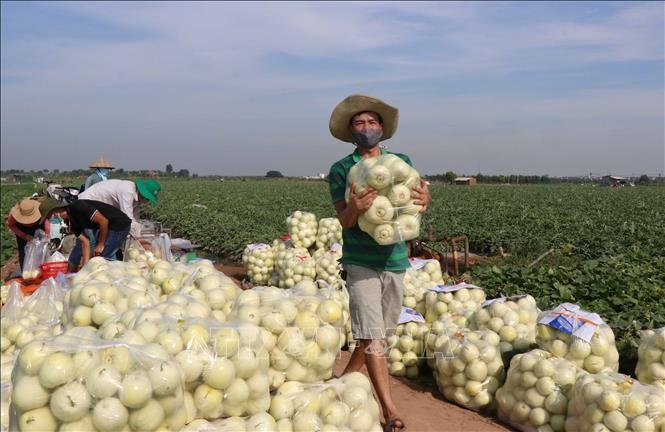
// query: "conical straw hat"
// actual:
[[101, 163]]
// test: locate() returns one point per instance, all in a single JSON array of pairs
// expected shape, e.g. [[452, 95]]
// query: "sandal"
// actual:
[[396, 424]]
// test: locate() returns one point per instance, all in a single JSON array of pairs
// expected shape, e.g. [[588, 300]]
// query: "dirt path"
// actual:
[[424, 410], [9, 267]]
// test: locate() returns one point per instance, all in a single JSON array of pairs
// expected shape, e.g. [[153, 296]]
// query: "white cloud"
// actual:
[[202, 74]]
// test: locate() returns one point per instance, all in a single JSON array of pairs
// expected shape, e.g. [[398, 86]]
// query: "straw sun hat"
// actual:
[[26, 212], [102, 163], [354, 104]]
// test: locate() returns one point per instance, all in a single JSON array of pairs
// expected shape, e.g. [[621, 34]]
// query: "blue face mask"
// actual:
[[367, 138], [103, 173]]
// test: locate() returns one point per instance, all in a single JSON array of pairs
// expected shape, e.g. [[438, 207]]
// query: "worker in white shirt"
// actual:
[[125, 195]]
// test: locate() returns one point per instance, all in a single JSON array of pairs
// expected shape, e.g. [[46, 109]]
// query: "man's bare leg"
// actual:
[[377, 366], [357, 359]]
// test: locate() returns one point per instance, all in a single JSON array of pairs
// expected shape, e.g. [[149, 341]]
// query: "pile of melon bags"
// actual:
[[157, 345]]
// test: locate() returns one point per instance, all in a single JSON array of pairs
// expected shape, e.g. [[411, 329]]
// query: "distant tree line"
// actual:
[[20, 175], [450, 176]]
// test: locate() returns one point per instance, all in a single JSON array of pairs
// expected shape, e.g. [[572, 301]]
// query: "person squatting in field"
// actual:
[[113, 226], [375, 273]]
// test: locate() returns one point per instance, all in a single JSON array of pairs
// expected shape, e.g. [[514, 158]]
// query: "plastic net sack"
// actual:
[[415, 290], [257, 422], [651, 357], [458, 302], [135, 252], [428, 271], [102, 270], [328, 267], [206, 284], [199, 286], [10, 314], [119, 281], [295, 265], [123, 326], [76, 382], [161, 247], [406, 348], [281, 244], [512, 318], [346, 403], [217, 290], [26, 319], [4, 292], [537, 391], [341, 297], [439, 333], [11, 309], [36, 254], [579, 336], [93, 302], [46, 303], [259, 262], [305, 330], [328, 233], [392, 217], [469, 369], [5, 395], [225, 366], [302, 228], [614, 402]]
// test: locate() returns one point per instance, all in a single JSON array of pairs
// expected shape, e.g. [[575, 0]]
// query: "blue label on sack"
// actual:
[[565, 324], [407, 314], [570, 319]]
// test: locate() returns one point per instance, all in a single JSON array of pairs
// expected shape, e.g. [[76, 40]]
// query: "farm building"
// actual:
[[616, 181], [465, 181]]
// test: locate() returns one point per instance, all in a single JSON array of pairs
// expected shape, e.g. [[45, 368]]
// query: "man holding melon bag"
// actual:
[[368, 199]]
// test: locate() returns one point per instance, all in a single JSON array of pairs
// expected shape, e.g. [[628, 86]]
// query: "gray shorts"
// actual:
[[375, 301]]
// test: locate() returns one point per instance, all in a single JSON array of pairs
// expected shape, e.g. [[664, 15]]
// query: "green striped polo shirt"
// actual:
[[359, 247]]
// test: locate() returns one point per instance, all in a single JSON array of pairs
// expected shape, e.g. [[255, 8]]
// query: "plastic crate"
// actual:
[[51, 269]]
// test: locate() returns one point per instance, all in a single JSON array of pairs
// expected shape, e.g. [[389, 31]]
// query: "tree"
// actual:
[[169, 169], [274, 174], [450, 176], [644, 180], [183, 173]]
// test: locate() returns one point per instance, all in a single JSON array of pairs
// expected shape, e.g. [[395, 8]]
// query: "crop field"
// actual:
[[608, 245]]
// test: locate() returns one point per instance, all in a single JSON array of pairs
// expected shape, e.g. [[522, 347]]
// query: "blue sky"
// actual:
[[557, 88]]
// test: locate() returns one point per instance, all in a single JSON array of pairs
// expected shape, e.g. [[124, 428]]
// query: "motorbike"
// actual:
[[64, 194], [61, 238]]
